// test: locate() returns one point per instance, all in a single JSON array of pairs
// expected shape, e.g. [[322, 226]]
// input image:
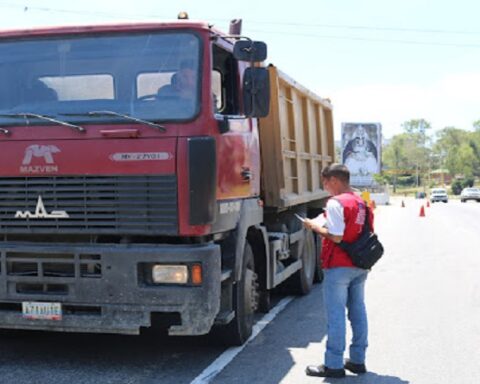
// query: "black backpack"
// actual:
[[367, 250]]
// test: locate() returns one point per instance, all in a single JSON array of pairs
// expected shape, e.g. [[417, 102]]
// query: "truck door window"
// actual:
[[224, 81], [217, 90]]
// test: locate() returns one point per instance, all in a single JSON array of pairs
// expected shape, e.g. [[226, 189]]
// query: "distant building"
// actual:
[[361, 151], [441, 176]]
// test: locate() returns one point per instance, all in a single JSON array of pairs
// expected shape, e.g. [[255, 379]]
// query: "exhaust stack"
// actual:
[[235, 27]]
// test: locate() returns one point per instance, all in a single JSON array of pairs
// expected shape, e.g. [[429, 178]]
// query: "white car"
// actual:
[[439, 194], [470, 194]]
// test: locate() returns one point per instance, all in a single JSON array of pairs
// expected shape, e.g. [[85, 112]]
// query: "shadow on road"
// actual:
[[368, 378], [46, 357], [292, 341], [268, 358], [278, 354]]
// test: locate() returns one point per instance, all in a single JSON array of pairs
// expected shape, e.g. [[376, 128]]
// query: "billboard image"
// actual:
[[361, 146]]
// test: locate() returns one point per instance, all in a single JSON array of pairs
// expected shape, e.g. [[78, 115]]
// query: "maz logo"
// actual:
[[41, 213], [36, 150]]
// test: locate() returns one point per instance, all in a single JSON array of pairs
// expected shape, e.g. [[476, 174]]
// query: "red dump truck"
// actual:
[[151, 172]]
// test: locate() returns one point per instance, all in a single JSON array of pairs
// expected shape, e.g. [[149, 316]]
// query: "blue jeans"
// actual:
[[344, 288]]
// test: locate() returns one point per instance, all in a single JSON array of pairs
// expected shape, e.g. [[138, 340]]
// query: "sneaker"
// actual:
[[323, 371], [355, 368]]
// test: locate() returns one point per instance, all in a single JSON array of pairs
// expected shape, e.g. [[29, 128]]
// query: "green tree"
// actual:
[[395, 157], [452, 148], [476, 125], [474, 144], [461, 161], [418, 128], [418, 146]]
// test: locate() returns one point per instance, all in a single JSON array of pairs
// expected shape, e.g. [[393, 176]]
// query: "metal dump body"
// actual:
[[296, 142]]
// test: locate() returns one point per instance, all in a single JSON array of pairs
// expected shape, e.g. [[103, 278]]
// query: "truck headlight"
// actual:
[[170, 274]]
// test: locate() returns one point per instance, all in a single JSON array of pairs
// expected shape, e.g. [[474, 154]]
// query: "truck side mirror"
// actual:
[[256, 92], [247, 50]]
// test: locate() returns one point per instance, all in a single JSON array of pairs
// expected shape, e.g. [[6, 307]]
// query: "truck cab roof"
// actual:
[[107, 28]]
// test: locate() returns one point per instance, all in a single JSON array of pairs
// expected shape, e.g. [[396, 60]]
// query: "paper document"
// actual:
[[302, 219], [320, 220]]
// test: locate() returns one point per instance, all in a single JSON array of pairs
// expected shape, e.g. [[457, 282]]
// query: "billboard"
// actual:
[[361, 151]]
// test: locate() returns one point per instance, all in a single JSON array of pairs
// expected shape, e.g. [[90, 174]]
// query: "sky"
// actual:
[[377, 60]]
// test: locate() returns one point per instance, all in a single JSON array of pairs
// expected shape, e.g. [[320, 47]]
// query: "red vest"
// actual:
[[354, 209]]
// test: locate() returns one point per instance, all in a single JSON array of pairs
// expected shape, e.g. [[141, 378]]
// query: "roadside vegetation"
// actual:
[[417, 160]]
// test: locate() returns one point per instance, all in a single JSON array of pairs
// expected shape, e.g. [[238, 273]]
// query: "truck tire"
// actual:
[[301, 282], [318, 278], [264, 301], [245, 303]]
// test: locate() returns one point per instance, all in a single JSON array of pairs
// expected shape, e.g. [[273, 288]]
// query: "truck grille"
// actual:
[[93, 205]]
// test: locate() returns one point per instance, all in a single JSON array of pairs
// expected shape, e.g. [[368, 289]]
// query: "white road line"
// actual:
[[226, 357]]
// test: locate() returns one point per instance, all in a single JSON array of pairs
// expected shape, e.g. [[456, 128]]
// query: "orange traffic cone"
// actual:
[[373, 204], [422, 211], [428, 204], [403, 204]]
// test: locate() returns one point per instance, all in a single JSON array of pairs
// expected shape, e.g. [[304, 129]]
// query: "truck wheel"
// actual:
[[264, 301], [301, 282], [318, 277], [245, 303]]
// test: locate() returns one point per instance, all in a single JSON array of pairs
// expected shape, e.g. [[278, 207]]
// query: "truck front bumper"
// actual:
[[106, 288]]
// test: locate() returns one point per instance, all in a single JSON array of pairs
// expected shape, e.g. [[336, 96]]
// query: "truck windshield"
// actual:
[[150, 76]]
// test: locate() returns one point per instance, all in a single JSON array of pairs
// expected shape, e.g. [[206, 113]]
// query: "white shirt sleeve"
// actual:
[[335, 218]]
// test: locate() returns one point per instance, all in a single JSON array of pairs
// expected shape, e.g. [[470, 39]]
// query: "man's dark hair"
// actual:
[[339, 171]]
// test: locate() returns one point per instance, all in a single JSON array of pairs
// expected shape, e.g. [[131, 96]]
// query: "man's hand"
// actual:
[[322, 231], [310, 224]]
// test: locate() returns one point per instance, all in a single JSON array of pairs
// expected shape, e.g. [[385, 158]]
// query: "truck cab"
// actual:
[[132, 187]]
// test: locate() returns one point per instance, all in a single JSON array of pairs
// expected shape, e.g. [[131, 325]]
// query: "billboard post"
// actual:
[[361, 152]]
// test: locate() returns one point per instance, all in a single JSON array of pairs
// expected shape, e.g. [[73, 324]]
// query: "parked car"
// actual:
[[470, 194], [439, 194]]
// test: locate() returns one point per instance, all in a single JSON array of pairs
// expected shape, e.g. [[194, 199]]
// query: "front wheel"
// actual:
[[245, 303]]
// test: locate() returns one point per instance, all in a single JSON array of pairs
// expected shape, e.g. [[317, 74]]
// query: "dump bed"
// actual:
[[296, 142]]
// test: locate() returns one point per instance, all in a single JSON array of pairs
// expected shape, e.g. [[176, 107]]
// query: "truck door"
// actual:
[[238, 154]]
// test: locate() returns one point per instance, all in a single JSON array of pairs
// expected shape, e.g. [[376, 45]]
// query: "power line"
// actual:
[[295, 24], [260, 22], [363, 27], [27, 8], [367, 39]]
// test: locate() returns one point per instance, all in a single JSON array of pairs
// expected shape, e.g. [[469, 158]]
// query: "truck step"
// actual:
[[226, 274], [224, 317]]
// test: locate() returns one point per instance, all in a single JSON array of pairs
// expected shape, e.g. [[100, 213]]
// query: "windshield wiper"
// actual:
[[126, 117], [26, 115]]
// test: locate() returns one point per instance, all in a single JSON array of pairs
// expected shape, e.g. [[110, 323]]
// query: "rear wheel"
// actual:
[[301, 282], [318, 277], [245, 303]]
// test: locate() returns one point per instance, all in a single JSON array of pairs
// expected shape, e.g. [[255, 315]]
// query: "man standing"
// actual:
[[344, 283]]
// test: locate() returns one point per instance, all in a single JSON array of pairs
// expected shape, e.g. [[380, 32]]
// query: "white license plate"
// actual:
[[42, 311]]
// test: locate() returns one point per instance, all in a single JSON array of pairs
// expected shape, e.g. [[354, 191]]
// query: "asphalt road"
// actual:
[[423, 300]]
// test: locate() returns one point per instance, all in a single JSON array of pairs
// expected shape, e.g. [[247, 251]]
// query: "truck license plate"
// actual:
[[41, 311]]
